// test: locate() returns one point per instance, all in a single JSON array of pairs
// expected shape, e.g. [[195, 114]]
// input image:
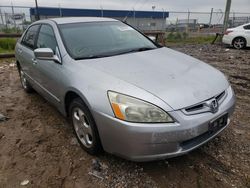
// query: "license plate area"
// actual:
[[218, 123]]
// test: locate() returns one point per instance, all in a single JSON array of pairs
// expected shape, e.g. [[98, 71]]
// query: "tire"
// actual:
[[25, 84], [84, 127], [239, 43]]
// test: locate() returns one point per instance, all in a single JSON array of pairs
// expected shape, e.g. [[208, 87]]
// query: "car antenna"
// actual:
[[125, 19]]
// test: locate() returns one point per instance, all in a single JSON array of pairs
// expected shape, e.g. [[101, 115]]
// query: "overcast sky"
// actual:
[[169, 5], [160, 5]]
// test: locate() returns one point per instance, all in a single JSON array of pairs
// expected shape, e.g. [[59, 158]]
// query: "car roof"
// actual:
[[81, 19], [241, 26], [246, 24]]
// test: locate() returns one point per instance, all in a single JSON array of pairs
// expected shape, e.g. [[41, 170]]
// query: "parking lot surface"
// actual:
[[37, 143]]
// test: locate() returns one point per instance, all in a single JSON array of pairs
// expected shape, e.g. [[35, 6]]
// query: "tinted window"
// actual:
[[30, 36], [90, 40], [46, 38], [247, 27]]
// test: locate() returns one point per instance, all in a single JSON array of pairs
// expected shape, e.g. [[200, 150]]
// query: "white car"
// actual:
[[238, 37]]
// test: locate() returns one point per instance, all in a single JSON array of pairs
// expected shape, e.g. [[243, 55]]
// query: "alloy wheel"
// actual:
[[239, 43], [82, 127]]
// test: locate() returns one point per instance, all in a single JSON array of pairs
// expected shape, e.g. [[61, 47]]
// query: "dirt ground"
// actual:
[[37, 144]]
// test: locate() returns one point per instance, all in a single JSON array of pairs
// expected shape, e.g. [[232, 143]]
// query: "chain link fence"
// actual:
[[18, 18], [204, 22], [14, 18]]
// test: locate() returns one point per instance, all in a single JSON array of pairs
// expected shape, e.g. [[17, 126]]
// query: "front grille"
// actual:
[[194, 108], [203, 107], [220, 96]]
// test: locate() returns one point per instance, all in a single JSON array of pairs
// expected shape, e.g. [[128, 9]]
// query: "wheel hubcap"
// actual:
[[23, 79], [82, 127], [239, 43]]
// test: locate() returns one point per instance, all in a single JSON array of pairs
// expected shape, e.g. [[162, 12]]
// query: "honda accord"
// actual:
[[123, 93]]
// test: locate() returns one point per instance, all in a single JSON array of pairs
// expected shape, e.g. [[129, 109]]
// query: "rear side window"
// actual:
[[46, 38], [247, 27], [30, 36]]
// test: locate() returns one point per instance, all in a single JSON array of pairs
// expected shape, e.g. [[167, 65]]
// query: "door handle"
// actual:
[[34, 61]]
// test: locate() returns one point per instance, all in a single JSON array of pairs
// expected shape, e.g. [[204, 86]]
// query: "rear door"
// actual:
[[25, 51]]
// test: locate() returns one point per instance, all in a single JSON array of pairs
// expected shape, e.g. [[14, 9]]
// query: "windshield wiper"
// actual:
[[144, 49], [118, 53], [136, 50], [92, 57]]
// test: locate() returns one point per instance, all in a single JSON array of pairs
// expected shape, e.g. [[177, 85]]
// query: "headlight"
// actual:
[[135, 110]]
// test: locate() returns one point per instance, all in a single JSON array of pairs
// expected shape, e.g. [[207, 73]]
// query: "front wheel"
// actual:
[[84, 127], [239, 43]]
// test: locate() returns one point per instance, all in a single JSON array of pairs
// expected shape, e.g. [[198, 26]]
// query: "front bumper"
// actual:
[[146, 142], [227, 39]]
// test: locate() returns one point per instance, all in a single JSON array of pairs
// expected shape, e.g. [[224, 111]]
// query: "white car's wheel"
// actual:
[[239, 43]]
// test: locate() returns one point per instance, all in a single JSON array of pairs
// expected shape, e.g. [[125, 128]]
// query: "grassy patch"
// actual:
[[3, 51], [183, 38], [7, 45], [11, 30]]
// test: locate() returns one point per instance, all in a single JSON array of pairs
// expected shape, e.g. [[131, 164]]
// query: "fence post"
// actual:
[[176, 24], [211, 16], [60, 10], [233, 19], [1, 17], [13, 13], [187, 29], [6, 22]]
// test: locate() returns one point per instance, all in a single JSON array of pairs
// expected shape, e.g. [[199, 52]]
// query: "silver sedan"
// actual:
[[123, 93]]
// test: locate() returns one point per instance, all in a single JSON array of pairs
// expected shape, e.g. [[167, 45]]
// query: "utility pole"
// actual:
[[211, 16], [37, 13], [226, 16]]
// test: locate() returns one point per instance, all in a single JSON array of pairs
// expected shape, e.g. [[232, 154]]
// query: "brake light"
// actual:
[[227, 32]]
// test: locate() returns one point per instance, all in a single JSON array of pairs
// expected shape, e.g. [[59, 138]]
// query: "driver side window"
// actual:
[[30, 36], [46, 38]]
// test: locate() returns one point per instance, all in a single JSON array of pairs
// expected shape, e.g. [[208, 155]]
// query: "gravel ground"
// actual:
[[38, 148]]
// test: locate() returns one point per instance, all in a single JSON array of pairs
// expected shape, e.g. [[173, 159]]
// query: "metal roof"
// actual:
[[52, 11]]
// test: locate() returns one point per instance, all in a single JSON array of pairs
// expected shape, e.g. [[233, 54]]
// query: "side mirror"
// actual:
[[46, 54]]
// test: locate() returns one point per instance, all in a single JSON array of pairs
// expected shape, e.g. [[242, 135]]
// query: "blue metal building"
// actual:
[[144, 20]]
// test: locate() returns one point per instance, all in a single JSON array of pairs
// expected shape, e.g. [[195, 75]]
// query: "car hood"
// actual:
[[178, 79]]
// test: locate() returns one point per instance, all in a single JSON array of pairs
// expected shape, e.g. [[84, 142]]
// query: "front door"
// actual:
[[48, 72]]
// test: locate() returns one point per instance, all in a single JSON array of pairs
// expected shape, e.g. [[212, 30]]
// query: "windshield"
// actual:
[[102, 39]]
